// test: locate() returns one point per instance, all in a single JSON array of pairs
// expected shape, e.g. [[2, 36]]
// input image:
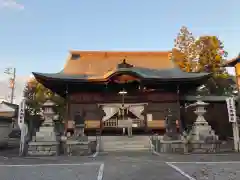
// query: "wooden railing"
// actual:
[[114, 123], [110, 123]]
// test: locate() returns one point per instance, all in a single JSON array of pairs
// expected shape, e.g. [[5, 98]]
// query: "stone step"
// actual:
[[124, 138], [133, 143], [124, 143], [127, 142], [126, 150], [129, 145], [13, 142], [126, 147]]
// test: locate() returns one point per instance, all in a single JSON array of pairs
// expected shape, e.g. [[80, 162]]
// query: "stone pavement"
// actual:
[[122, 166], [50, 171], [208, 170]]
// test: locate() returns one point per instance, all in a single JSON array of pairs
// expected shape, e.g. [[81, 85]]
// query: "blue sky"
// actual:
[[35, 35]]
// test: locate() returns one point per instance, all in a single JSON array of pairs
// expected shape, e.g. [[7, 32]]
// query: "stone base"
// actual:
[[172, 146], [201, 133], [43, 148], [202, 147], [77, 148], [171, 137], [79, 138]]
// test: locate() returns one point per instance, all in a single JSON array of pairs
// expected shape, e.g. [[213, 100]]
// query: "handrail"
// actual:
[[153, 147], [98, 140]]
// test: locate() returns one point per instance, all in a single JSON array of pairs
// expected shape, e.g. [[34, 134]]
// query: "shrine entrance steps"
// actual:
[[125, 144]]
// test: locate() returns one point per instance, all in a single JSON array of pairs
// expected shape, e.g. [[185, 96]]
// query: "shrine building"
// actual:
[[109, 87], [235, 62]]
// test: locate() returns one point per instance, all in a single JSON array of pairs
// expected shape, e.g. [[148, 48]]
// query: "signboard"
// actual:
[[149, 117], [231, 109], [134, 125], [21, 113]]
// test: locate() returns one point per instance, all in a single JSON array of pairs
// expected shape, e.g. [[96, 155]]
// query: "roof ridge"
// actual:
[[118, 51]]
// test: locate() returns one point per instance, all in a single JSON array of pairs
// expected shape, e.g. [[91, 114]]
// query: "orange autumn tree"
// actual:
[[211, 56], [185, 51], [205, 54], [198, 55]]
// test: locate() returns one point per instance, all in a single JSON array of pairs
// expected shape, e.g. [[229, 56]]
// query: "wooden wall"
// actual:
[[157, 105], [158, 111], [93, 98], [93, 114]]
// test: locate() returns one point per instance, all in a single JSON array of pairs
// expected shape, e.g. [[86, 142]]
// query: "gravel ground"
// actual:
[[209, 171], [47, 172]]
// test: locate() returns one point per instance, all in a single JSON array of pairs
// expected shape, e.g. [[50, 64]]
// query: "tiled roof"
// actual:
[[101, 62], [163, 74], [232, 62]]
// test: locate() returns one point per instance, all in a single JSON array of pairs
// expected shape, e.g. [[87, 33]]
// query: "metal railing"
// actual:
[[155, 143]]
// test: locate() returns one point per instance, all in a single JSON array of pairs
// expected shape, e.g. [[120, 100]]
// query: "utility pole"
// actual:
[[12, 72]]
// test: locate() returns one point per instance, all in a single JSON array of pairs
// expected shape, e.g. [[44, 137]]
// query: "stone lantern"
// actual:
[[45, 142], [201, 129], [48, 113], [200, 111]]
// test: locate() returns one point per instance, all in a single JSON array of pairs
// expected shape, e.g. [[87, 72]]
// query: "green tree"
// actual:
[[36, 94], [210, 57]]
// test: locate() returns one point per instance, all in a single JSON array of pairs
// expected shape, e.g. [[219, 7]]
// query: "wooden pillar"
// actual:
[[100, 111], [179, 120], [66, 118]]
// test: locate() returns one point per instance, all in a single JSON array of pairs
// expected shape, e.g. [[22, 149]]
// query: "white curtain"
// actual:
[[137, 110], [109, 112]]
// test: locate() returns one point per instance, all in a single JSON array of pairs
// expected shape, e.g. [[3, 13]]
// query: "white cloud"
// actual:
[[13, 4]]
